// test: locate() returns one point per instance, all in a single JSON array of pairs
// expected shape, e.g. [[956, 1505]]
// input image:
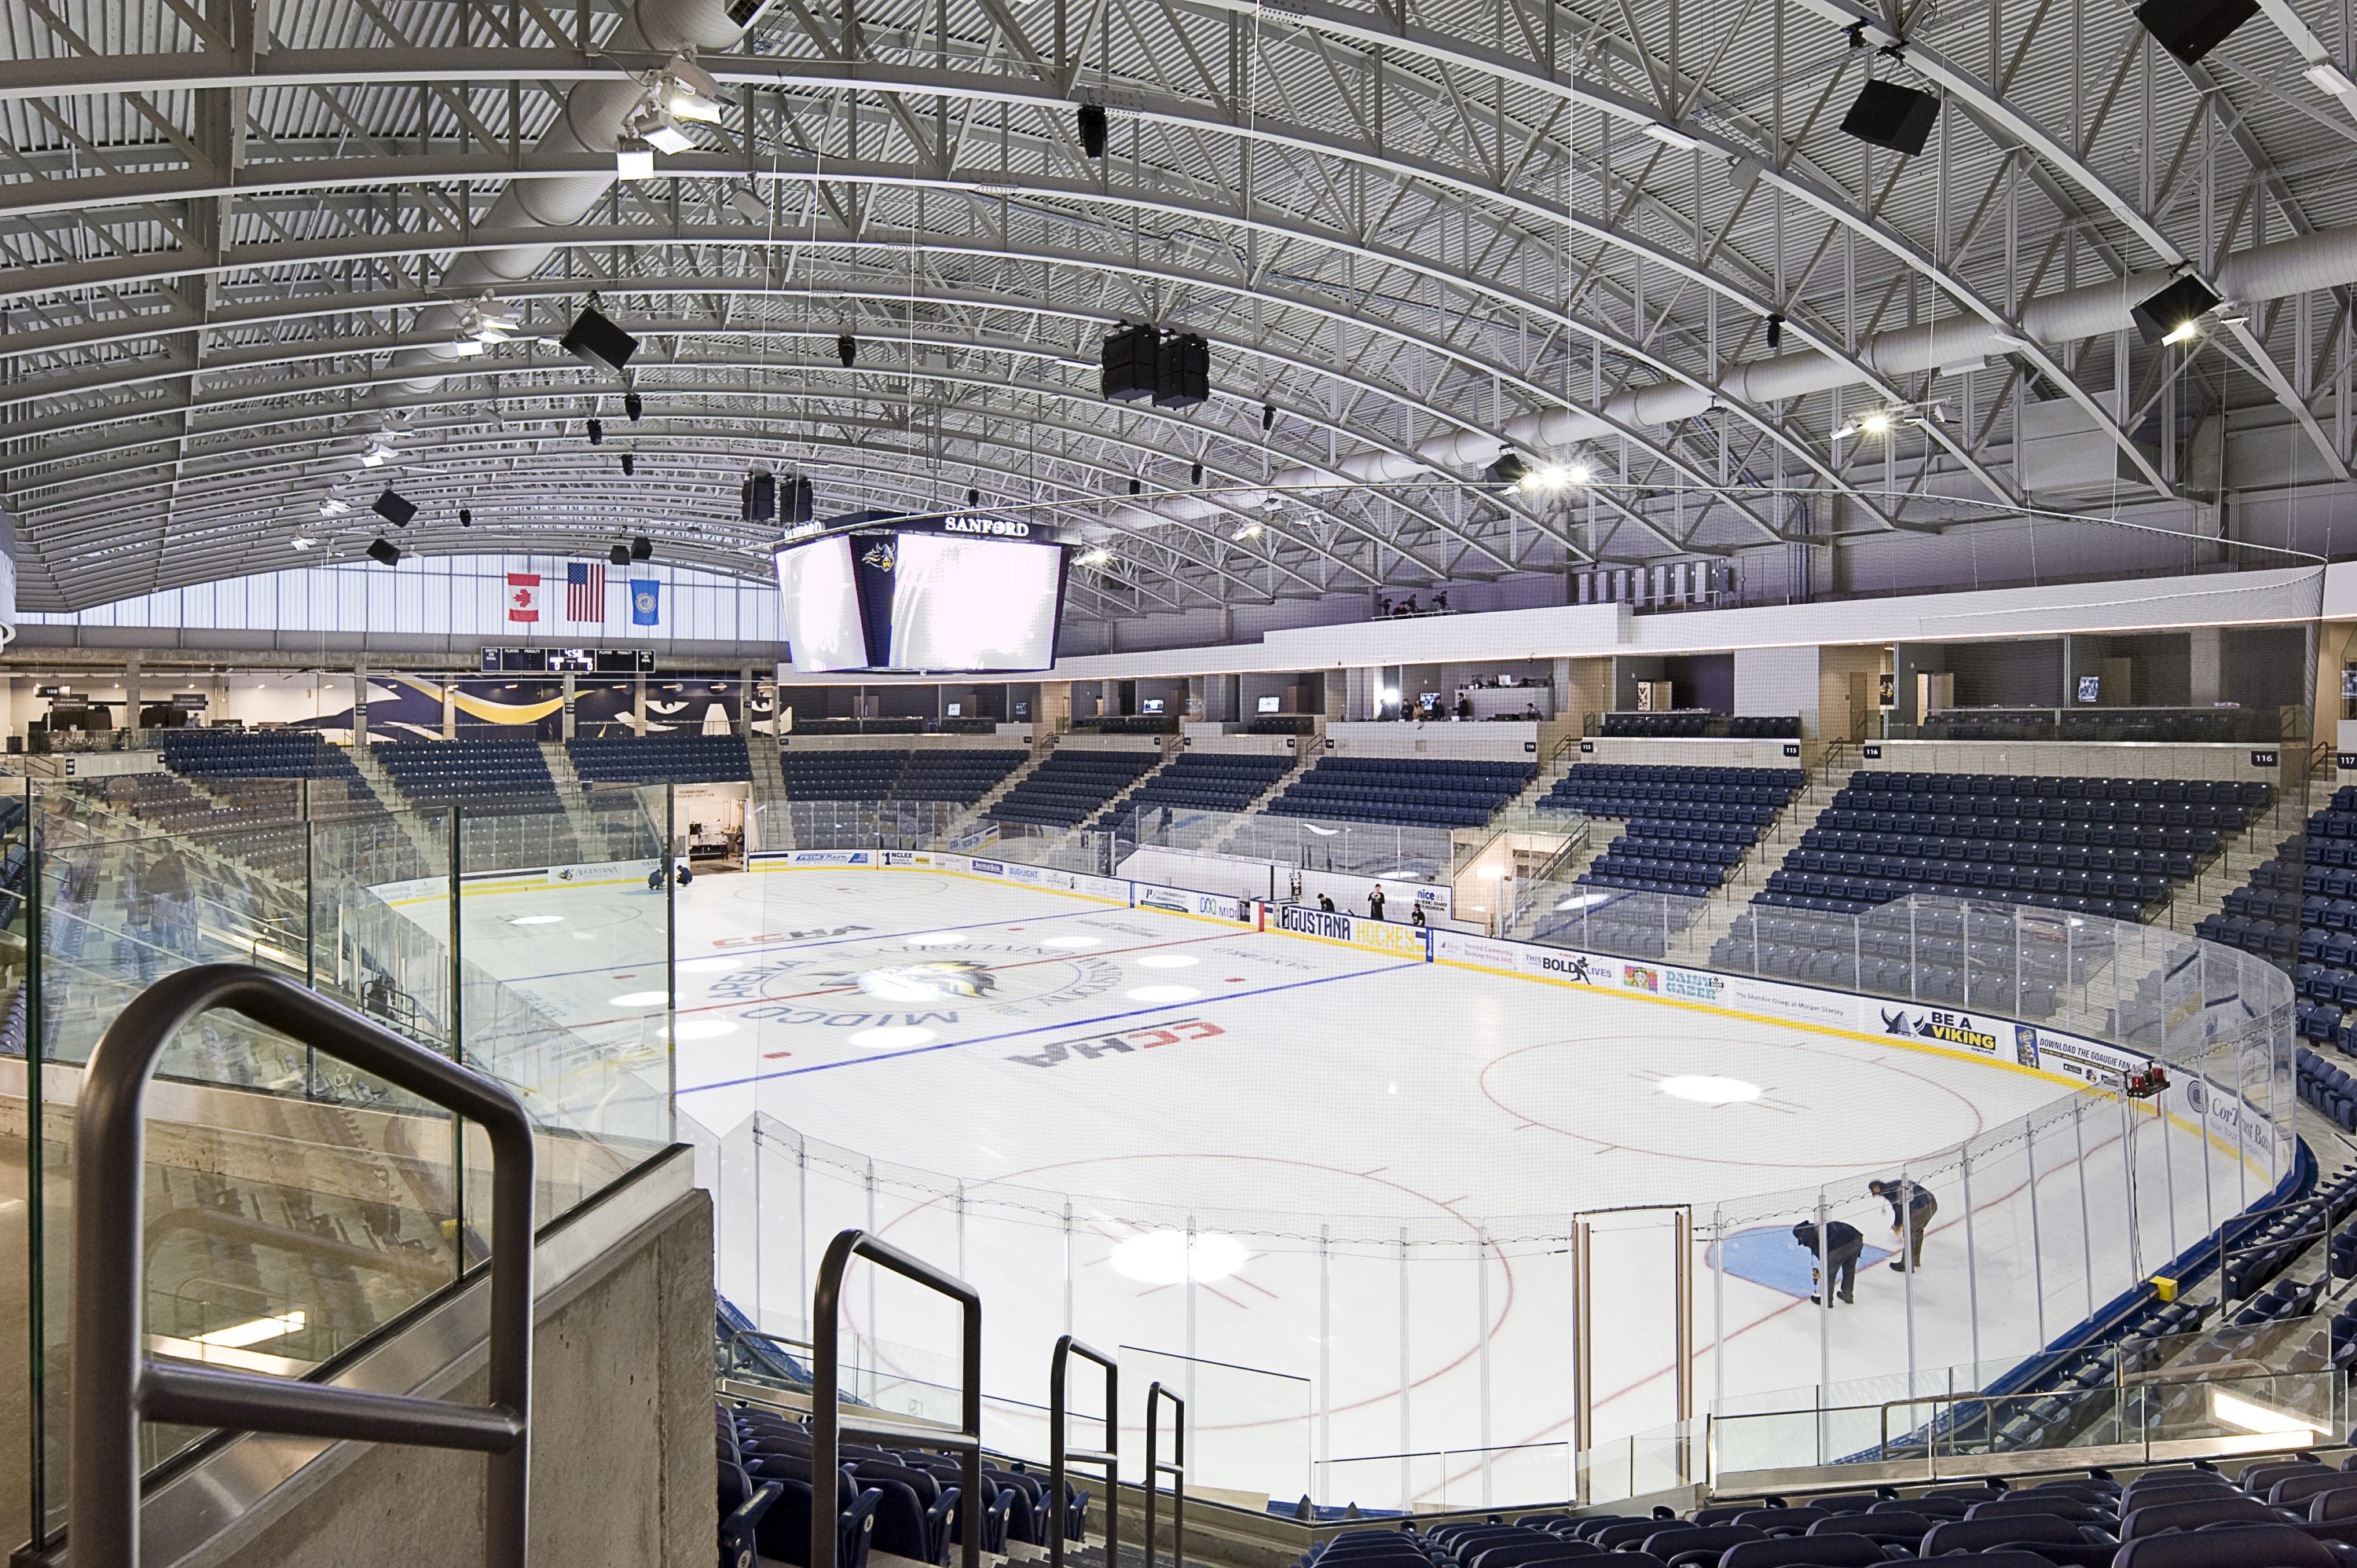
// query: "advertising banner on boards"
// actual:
[[1352, 931]]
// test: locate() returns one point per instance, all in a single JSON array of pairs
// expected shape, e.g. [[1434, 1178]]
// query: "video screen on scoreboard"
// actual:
[[974, 604], [823, 630]]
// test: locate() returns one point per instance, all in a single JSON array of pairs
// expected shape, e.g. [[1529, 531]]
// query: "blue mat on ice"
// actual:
[[1768, 1256]]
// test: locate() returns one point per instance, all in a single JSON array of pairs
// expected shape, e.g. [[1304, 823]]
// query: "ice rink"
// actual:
[[1379, 1161]]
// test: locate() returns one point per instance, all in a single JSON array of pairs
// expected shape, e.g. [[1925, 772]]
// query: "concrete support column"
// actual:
[[449, 706], [131, 697], [567, 729], [638, 702], [1054, 709], [1334, 687], [360, 704], [745, 692], [2204, 666]]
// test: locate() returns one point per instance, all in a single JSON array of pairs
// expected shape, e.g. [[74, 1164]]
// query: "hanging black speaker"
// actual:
[[1182, 372], [1889, 115], [619, 556], [1092, 121], [1130, 369], [642, 548], [846, 349], [2192, 28], [795, 501], [759, 498], [383, 552], [594, 340], [394, 508]]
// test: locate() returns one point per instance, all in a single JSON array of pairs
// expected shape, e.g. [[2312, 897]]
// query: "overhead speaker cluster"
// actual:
[[794, 500], [2192, 28], [594, 340], [1091, 123], [1890, 114], [1143, 363], [619, 556], [394, 508], [383, 552]]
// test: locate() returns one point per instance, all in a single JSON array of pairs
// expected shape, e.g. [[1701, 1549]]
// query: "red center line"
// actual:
[[987, 968]]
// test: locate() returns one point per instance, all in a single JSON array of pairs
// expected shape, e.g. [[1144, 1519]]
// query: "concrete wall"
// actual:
[[622, 1462]]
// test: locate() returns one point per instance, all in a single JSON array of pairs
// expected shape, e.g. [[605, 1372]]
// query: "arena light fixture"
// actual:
[[661, 129], [2327, 77], [1577, 473], [378, 453], [1179, 1257], [1671, 136], [486, 323], [1247, 531], [747, 203], [1876, 424], [1096, 557], [334, 507], [687, 90], [634, 158]]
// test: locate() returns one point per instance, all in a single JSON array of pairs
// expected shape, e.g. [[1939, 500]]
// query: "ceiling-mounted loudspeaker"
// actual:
[[1129, 369], [596, 431], [846, 349], [1889, 115], [594, 340], [394, 508], [795, 501], [1183, 373], [1195, 474], [1775, 331], [2175, 308], [383, 552], [619, 556], [1135, 486], [973, 496], [2192, 28], [1092, 120], [629, 465], [633, 405], [465, 518], [1267, 416], [642, 548], [759, 496]]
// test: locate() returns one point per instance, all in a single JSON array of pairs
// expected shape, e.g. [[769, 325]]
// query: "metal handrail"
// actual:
[[1059, 1455], [1156, 1468], [827, 1426], [115, 1386]]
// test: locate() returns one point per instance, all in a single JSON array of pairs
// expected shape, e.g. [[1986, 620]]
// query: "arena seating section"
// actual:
[[957, 775], [1407, 791], [2299, 910], [220, 755], [490, 777], [661, 760], [1073, 786], [1687, 826], [2273, 1512], [1685, 724], [908, 1503], [2095, 846], [1207, 781]]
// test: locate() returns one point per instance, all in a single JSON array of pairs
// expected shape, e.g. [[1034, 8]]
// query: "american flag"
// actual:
[[585, 591]]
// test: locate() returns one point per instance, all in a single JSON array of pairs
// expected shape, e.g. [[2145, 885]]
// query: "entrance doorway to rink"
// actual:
[[1409, 1229]]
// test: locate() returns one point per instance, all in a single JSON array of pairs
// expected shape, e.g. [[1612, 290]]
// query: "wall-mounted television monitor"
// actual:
[[1269, 705], [1149, 704], [2090, 688], [2349, 682]]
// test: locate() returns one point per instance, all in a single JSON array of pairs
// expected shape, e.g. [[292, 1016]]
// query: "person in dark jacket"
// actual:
[[1375, 902], [1911, 1209], [1836, 1259]]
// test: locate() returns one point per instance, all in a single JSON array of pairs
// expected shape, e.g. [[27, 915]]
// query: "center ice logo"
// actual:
[[935, 980]]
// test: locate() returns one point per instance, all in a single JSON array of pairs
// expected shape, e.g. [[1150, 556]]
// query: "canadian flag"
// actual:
[[523, 595]]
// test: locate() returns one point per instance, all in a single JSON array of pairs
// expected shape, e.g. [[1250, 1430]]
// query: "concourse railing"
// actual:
[[1060, 1456], [1156, 1467], [828, 1428], [115, 1386]]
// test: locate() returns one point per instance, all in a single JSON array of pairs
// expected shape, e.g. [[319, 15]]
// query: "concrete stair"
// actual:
[[1098, 819], [773, 817], [972, 818], [576, 799], [1259, 803], [404, 812], [2206, 895]]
